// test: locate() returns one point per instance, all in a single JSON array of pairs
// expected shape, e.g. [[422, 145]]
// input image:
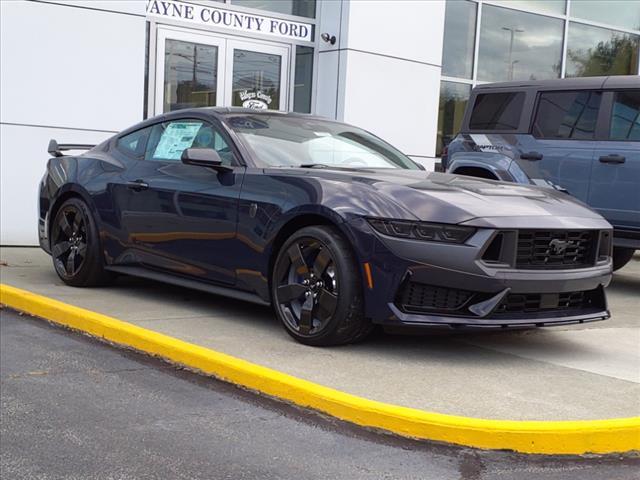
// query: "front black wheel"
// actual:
[[317, 290], [75, 248]]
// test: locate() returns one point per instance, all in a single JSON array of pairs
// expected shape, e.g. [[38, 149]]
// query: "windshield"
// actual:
[[281, 141]]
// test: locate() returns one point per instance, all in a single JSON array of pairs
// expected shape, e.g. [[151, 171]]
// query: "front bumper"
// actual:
[[452, 286]]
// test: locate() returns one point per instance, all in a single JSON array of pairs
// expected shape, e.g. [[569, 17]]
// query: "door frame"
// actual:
[[226, 45]]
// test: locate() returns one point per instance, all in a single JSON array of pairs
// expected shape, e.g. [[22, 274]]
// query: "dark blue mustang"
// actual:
[[329, 224]]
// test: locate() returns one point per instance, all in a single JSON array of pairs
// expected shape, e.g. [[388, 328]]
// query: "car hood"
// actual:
[[441, 197]]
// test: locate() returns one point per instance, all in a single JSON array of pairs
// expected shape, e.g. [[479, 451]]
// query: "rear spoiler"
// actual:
[[55, 149]]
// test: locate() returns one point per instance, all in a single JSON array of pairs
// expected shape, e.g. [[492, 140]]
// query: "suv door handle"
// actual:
[[137, 185], [613, 158], [531, 156]]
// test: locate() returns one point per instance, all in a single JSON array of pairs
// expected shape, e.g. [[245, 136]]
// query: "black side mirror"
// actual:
[[204, 157]]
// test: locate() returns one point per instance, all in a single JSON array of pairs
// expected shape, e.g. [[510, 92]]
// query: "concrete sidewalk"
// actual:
[[566, 373]]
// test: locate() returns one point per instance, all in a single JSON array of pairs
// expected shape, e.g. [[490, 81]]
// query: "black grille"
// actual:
[[548, 249], [418, 297], [538, 302]]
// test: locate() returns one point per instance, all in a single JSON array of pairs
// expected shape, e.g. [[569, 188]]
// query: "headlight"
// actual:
[[434, 232]]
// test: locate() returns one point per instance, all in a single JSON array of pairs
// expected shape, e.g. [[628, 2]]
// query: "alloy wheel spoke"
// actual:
[[60, 248], [306, 316], [77, 223], [292, 291], [65, 226], [297, 260], [327, 303], [322, 261], [82, 249], [71, 263]]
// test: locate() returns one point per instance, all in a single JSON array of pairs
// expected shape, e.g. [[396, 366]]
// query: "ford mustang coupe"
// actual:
[[333, 227]]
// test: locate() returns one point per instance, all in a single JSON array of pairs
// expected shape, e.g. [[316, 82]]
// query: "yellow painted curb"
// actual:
[[553, 437]]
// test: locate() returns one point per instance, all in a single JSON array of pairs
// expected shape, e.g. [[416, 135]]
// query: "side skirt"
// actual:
[[188, 283]]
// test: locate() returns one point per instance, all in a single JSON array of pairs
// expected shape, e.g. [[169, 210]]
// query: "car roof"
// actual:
[[217, 112], [613, 81]]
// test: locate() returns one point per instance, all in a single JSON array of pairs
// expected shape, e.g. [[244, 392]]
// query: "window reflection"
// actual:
[[625, 116], [543, 6], [600, 51], [567, 115], [301, 8], [518, 46], [621, 13], [459, 35], [453, 101], [190, 75], [256, 80], [304, 75]]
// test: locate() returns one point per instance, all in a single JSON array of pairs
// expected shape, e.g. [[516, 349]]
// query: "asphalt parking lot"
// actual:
[[590, 371], [75, 408]]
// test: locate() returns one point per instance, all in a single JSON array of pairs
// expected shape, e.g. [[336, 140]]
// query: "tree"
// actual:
[[618, 56]]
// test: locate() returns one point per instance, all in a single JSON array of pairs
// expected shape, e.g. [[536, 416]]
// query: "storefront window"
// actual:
[[600, 51], [459, 34], [256, 80], [453, 101], [304, 75], [301, 8], [518, 46], [190, 75], [543, 6], [621, 13]]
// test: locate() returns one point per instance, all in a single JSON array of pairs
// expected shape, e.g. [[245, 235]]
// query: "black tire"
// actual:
[[316, 289], [621, 257], [75, 246]]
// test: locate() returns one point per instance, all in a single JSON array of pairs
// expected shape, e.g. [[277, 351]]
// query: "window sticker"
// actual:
[[177, 137]]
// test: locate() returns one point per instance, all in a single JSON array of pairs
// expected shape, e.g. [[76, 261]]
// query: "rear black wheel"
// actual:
[[75, 248], [316, 289]]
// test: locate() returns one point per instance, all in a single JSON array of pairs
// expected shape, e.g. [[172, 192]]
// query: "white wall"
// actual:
[[383, 74], [73, 71]]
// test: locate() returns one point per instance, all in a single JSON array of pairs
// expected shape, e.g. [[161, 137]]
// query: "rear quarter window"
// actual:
[[497, 111]]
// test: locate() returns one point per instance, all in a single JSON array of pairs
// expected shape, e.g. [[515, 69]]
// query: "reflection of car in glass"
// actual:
[[333, 227], [580, 135]]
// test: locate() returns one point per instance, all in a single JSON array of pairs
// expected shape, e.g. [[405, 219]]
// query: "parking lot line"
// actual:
[[548, 437]]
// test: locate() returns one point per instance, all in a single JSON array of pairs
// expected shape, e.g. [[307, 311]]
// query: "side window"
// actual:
[[497, 111], [625, 116], [169, 139], [134, 143], [567, 115]]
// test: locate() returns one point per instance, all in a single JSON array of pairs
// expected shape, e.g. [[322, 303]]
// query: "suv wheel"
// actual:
[[621, 257]]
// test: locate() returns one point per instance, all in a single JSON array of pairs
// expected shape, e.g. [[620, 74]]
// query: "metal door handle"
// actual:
[[137, 185], [531, 156], [614, 158]]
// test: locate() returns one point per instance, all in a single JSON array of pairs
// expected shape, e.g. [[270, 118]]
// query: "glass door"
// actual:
[[257, 75], [201, 70], [188, 67]]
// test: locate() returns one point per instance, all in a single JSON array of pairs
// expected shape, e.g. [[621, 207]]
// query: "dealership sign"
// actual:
[[221, 17]]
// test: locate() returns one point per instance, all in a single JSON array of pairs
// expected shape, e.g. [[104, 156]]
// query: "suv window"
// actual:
[[134, 143], [497, 111], [567, 115], [625, 116], [169, 139]]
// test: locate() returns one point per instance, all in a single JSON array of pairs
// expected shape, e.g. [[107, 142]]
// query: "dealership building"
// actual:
[[80, 71]]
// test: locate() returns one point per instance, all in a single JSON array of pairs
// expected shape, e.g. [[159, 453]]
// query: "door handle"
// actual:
[[531, 156], [137, 185], [613, 158]]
